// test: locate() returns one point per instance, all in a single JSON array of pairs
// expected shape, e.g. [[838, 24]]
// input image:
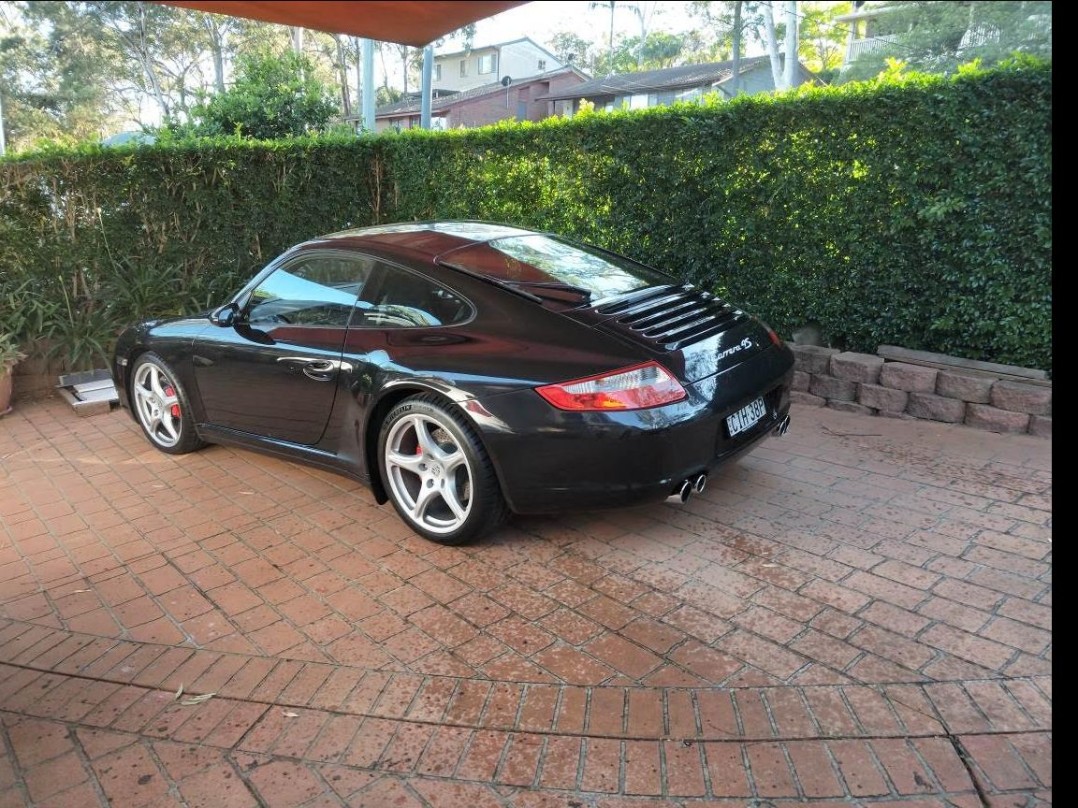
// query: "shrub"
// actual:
[[909, 210]]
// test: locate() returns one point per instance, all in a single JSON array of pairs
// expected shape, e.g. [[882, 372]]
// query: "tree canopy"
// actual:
[[274, 96]]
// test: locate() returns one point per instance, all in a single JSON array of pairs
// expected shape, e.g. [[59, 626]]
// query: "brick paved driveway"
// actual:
[[858, 613]]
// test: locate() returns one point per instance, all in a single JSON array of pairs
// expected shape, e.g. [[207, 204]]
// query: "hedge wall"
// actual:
[[909, 210]]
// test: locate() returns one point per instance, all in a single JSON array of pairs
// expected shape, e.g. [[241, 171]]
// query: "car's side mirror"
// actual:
[[225, 316]]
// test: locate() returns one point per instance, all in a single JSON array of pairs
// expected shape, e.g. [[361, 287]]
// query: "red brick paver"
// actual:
[[859, 613]]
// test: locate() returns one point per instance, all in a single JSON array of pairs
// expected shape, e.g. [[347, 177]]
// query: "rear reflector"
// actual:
[[633, 388]]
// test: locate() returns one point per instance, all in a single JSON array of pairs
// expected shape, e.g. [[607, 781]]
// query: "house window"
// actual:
[[463, 68], [541, 65], [438, 72], [486, 63]]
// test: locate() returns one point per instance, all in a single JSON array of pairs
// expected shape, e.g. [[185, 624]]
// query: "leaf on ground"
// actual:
[[197, 699], [179, 692], [290, 714]]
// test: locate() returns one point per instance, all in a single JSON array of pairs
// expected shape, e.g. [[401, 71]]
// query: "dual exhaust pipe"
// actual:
[[698, 483], [689, 485]]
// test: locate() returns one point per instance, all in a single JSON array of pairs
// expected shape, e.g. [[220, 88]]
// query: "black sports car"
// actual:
[[465, 370]]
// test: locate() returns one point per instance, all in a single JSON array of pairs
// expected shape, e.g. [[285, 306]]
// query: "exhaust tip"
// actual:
[[685, 491], [700, 483], [783, 426]]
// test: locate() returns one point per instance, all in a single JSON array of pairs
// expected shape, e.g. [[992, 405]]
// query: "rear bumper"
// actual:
[[549, 460]]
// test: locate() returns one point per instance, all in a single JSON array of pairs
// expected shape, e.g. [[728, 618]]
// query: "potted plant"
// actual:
[[10, 355]]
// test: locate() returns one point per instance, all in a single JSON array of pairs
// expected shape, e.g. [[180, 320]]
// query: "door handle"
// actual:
[[321, 370]]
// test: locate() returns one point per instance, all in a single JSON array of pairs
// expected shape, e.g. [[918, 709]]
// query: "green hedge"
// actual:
[[909, 210]]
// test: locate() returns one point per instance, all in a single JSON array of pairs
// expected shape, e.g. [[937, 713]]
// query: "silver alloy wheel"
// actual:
[[157, 404], [428, 473]]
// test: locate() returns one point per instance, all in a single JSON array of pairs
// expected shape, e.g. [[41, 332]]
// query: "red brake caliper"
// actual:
[[170, 391]]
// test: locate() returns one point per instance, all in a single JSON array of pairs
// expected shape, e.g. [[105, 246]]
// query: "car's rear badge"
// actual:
[[744, 345]]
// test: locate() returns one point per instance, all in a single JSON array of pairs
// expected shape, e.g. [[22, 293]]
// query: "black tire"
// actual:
[[161, 406], [462, 500]]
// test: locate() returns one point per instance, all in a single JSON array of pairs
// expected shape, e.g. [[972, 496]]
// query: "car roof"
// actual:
[[424, 240]]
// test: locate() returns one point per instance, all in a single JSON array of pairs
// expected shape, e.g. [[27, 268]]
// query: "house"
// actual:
[[868, 31], [476, 67], [486, 104], [879, 27], [654, 88]]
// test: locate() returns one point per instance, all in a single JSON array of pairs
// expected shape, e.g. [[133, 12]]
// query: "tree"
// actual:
[[571, 49], [274, 96], [162, 48], [630, 54], [823, 41], [55, 75], [936, 37], [731, 25]]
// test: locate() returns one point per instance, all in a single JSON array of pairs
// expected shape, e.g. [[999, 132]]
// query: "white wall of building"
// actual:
[[518, 60]]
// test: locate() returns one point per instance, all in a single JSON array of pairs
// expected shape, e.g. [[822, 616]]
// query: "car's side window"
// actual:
[[320, 290], [403, 299]]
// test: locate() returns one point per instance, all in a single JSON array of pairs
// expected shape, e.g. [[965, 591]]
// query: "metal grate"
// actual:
[[674, 316]]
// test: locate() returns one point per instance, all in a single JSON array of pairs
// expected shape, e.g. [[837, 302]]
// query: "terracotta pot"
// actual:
[[5, 391]]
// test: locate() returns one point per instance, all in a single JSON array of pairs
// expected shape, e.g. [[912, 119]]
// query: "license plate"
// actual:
[[746, 417]]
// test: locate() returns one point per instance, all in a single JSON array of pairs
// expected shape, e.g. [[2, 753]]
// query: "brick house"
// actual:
[[654, 88], [526, 99]]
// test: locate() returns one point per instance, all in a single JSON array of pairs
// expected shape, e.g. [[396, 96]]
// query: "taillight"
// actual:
[[634, 388], [771, 333]]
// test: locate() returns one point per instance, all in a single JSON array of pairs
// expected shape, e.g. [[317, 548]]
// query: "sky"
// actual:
[[543, 18]]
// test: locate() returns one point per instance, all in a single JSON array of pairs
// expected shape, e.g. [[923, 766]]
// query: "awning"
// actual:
[[408, 22]]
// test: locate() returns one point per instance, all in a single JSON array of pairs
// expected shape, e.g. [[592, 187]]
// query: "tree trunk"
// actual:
[[790, 77], [404, 66], [342, 75], [611, 43], [772, 45], [146, 58], [217, 46], [359, 78], [297, 40], [735, 80]]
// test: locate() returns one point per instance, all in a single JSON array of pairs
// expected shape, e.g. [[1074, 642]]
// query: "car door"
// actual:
[[274, 371]]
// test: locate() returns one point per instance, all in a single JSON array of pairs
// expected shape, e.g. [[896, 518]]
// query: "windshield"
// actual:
[[537, 263]]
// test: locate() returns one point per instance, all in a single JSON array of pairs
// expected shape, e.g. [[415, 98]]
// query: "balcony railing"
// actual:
[[872, 44]]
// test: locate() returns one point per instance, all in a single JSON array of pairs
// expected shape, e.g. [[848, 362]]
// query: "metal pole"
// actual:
[[368, 85], [426, 89]]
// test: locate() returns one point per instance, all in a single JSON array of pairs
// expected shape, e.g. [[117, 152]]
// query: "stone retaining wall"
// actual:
[[871, 385]]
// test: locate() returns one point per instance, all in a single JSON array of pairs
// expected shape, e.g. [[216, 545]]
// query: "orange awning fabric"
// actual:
[[408, 22]]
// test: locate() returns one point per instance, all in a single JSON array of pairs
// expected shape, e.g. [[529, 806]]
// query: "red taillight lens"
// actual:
[[771, 333], [635, 388]]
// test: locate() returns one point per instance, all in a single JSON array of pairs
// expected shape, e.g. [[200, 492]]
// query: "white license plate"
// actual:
[[746, 417]]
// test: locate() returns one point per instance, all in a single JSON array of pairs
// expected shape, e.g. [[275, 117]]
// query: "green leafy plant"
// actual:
[[10, 355], [911, 210]]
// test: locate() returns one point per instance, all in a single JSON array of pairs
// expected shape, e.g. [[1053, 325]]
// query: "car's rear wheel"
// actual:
[[436, 472], [161, 406]]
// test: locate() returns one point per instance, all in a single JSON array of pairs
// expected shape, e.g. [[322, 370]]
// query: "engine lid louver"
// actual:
[[671, 317]]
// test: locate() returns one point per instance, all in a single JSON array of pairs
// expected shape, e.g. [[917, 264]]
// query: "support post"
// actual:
[[426, 89], [368, 85]]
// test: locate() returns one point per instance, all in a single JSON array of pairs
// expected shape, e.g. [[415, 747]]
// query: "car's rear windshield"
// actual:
[[537, 262]]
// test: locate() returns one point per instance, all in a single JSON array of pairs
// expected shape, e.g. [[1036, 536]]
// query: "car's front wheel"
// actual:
[[162, 407], [436, 472]]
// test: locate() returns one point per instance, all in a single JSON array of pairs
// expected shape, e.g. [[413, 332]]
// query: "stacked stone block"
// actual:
[[867, 384]]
